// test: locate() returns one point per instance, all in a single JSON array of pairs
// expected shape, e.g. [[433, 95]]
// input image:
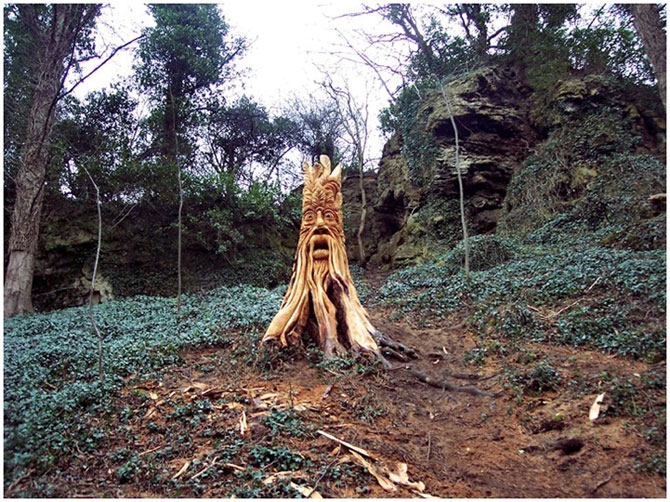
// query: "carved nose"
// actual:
[[320, 224], [319, 219]]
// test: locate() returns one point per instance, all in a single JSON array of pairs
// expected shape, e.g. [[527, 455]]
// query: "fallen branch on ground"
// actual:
[[150, 451], [323, 474], [183, 469], [203, 471], [602, 483], [344, 443], [16, 483]]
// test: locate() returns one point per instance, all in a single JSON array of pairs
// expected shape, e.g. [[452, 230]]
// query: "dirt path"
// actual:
[[180, 435]]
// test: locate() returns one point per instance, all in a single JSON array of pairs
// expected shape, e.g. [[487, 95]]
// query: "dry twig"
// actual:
[[344, 443], [603, 483]]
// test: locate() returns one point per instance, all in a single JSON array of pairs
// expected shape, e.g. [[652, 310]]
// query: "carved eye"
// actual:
[[329, 216], [308, 217]]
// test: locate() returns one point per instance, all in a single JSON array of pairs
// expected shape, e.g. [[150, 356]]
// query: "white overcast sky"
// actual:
[[287, 40]]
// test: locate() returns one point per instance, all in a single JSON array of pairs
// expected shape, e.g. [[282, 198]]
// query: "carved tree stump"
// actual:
[[321, 299]]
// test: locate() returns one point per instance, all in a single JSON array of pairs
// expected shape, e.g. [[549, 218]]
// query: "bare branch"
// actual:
[[367, 11], [597, 14], [82, 79], [369, 63], [466, 25], [497, 32]]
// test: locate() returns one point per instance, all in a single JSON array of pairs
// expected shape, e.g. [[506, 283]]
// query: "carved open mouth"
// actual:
[[320, 249]]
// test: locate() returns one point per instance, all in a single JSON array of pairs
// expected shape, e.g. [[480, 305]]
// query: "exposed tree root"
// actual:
[[445, 385], [384, 361], [470, 376], [395, 349], [389, 352]]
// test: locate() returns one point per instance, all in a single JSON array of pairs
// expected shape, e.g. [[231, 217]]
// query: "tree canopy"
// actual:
[[178, 113]]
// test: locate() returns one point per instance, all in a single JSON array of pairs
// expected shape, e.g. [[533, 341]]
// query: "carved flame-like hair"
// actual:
[[321, 296]]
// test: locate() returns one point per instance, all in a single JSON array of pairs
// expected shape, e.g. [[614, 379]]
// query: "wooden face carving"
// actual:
[[321, 228], [321, 299]]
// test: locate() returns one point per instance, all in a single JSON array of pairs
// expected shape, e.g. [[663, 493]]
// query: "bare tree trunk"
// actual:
[[472, 13], [175, 152], [179, 232], [355, 121], [522, 35], [466, 245], [404, 18], [364, 211], [648, 25], [27, 211], [95, 271], [321, 299], [54, 44]]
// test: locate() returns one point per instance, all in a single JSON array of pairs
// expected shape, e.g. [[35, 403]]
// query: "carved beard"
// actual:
[[321, 299]]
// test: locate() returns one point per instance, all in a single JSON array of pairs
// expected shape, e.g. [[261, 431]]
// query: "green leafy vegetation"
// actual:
[[285, 422], [50, 378], [541, 377], [525, 298], [358, 276], [280, 456], [418, 147], [558, 270], [584, 181], [362, 364], [578, 258], [630, 397]]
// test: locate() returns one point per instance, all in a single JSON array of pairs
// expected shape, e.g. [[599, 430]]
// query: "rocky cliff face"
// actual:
[[138, 256], [500, 123]]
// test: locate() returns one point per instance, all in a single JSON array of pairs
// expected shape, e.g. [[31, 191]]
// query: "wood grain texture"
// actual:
[[321, 300]]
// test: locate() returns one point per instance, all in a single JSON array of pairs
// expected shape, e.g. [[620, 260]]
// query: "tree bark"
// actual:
[[401, 15], [472, 13], [53, 43], [30, 193], [173, 154], [101, 374], [648, 25]]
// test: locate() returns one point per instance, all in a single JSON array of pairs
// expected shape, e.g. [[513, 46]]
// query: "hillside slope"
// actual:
[[566, 301]]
